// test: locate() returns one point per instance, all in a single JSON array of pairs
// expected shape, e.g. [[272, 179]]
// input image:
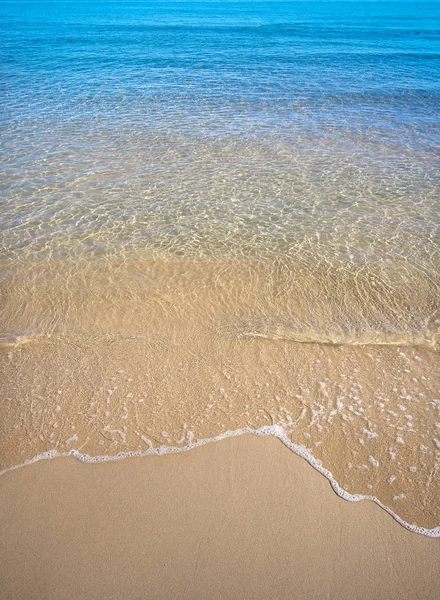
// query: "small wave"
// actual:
[[363, 338], [11, 340]]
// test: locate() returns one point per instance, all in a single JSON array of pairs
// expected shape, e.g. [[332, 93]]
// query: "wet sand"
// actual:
[[239, 518]]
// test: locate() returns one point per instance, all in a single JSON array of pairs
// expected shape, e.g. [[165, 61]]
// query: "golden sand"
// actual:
[[240, 519]]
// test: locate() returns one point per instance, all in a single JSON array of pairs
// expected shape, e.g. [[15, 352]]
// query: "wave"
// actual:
[[355, 338], [361, 338]]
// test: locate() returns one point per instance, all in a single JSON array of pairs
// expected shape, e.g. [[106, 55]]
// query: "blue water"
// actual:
[[204, 127], [246, 66]]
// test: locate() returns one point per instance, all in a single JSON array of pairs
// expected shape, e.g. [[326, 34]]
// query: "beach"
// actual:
[[242, 518], [220, 299]]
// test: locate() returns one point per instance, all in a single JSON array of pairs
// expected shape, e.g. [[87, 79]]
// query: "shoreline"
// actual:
[[168, 352], [273, 431]]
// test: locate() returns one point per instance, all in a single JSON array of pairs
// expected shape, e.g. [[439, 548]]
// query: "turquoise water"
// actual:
[[305, 134], [220, 127]]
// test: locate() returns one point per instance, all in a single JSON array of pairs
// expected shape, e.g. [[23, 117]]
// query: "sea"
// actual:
[[220, 218]]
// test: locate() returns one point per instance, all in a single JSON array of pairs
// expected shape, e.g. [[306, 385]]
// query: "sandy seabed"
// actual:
[[240, 518]]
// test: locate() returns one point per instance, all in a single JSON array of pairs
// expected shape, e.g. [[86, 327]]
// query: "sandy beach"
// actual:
[[243, 518], [219, 300]]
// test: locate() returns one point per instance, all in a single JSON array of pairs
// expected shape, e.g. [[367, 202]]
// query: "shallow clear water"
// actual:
[[251, 183]]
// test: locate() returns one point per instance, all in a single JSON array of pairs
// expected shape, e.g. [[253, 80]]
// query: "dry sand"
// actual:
[[240, 518]]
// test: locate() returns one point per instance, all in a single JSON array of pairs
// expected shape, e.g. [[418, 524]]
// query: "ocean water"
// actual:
[[222, 217]]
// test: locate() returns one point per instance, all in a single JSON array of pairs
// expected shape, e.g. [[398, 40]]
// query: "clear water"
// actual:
[[246, 183], [221, 127]]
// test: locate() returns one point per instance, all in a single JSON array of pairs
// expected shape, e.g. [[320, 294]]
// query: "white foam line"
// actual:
[[273, 430]]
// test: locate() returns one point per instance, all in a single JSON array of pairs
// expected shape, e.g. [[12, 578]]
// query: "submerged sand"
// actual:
[[118, 356], [242, 518]]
